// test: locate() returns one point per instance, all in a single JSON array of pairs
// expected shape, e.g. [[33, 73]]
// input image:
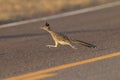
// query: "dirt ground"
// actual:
[[16, 10]]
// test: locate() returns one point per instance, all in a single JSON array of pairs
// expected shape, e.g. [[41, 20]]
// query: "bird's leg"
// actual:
[[72, 46], [56, 44]]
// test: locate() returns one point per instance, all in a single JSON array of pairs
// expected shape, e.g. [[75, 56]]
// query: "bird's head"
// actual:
[[46, 26]]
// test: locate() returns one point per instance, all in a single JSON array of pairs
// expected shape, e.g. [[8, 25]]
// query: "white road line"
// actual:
[[85, 10]]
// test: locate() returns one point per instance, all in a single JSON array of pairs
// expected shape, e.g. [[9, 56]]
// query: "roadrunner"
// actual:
[[63, 39]]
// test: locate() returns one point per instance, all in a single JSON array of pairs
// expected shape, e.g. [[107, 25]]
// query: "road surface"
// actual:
[[24, 55]]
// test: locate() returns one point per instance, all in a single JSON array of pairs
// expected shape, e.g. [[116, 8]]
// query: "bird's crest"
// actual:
[[47, 24]]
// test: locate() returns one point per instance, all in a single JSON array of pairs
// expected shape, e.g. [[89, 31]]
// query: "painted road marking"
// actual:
[[50, 71], [85, 10]]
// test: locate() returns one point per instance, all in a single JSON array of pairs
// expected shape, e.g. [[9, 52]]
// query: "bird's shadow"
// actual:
[[67, 32]]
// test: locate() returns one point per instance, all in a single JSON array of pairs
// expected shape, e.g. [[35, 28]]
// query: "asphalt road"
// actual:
[[23, 48]]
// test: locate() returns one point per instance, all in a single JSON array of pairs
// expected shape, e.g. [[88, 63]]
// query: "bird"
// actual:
[[63, 39]]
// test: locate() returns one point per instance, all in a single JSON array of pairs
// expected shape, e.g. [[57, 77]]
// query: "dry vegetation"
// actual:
[[24, 9]]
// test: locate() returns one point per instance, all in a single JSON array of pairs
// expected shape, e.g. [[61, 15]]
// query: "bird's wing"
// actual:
[[62, 37]]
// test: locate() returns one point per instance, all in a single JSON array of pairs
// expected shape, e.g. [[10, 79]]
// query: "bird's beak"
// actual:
[[41, 27]]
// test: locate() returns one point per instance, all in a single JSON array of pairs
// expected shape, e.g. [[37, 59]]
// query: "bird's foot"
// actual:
[[74, 47], [50, 46]]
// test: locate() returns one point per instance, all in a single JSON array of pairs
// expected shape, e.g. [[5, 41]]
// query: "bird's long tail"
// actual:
[[84, 43]]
